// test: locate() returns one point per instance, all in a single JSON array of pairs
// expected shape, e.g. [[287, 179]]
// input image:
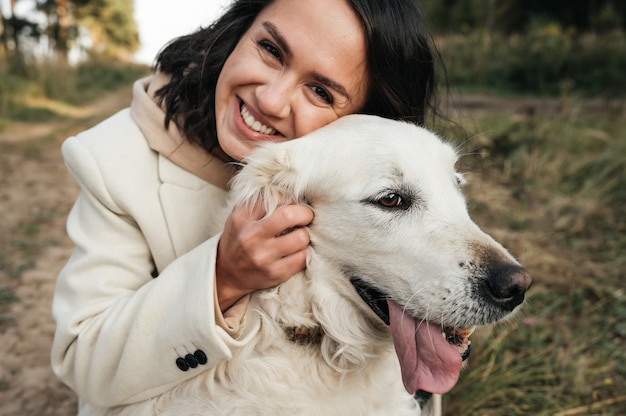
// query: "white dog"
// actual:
[[397, 278]]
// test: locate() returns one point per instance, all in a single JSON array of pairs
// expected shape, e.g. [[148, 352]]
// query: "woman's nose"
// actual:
[[274, 97]]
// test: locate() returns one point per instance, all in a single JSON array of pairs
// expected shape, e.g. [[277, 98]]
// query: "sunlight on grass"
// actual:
[[57, 108], [52, 90]]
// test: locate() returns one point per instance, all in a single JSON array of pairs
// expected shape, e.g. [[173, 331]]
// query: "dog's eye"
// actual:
[[392, 200]]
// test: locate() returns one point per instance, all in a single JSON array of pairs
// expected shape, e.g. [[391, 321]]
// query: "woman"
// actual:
[[155, 291]]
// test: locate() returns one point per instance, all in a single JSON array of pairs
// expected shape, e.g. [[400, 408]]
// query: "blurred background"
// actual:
[[534, 99]]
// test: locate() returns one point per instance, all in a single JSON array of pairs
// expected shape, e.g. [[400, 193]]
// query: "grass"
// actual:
[[564, 355], [7, 298], [545, 60], [50, 89], [564, 178]]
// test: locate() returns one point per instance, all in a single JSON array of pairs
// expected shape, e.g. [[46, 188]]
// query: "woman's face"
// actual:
[[300, 66]]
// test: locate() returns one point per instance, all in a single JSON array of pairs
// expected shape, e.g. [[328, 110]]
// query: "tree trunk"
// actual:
[[10, 33], [64, 25]]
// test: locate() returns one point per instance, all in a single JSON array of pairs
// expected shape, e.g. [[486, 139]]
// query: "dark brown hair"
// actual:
[[401, 64]]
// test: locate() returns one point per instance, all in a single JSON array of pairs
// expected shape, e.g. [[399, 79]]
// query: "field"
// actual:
[[547, 177]]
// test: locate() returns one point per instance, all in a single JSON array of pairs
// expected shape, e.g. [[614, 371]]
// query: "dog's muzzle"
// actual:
[[377, 301]]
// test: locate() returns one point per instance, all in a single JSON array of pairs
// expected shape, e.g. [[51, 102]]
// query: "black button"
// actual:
[[182, 364], [200, 357], [191, 361]]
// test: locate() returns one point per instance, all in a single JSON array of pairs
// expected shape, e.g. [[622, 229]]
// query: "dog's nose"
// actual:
[[507, 285]]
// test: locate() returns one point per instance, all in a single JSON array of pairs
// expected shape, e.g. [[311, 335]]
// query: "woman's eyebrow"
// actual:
[[282, 43], [278, 38], [331, 84]]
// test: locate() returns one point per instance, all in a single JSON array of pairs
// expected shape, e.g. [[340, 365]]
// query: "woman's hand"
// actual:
[[255, 254]]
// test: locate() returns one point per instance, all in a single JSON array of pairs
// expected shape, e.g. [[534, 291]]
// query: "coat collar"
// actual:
[[169, 142]]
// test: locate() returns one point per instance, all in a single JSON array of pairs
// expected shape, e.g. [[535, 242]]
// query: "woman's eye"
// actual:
[[323, 94], [271, 49], [392, 200]]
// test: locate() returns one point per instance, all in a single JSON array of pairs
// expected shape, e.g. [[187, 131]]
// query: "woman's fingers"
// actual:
[[257, 252]]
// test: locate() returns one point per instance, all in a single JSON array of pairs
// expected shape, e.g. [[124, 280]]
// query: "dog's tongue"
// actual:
[[427, 360]]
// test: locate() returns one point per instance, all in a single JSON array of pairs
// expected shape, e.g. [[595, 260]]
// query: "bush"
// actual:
[[95, 76], [546, 60]]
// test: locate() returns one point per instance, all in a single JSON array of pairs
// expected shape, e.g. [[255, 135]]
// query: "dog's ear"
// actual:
[[268, 176]]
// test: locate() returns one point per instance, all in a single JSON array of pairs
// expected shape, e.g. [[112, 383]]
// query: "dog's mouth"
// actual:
[[430, 354]]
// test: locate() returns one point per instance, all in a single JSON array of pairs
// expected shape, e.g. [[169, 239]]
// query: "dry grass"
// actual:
[[551, 185]]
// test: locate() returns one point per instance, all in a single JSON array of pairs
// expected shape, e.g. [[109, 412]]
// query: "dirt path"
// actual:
[[36, 193]]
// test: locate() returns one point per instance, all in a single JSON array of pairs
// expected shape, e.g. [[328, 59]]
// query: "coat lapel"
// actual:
[[193, 208], [193, 181]]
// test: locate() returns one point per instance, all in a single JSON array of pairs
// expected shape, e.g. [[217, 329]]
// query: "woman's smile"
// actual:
[[253, 123]]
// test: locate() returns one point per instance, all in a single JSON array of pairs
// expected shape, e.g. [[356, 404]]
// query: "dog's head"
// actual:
[[391, 221]]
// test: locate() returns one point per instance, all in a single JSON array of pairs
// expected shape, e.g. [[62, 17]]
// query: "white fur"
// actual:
[[425, 257]]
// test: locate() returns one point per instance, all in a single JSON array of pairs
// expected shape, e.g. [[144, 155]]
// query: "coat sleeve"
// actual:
[[119, 330]]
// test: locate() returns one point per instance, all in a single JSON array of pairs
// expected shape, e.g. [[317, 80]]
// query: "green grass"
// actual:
[[46, 90], [7, 298], [546, 60], [565, 174], [565, 354]]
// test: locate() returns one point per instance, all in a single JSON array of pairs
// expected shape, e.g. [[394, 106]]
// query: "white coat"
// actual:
[[135, 305]]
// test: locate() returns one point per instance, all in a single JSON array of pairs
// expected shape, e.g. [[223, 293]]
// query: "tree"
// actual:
[[111, 26], [12, 30], [60, 29]]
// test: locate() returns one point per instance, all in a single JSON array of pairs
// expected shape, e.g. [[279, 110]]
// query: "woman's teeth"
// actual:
[[254, 124]]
